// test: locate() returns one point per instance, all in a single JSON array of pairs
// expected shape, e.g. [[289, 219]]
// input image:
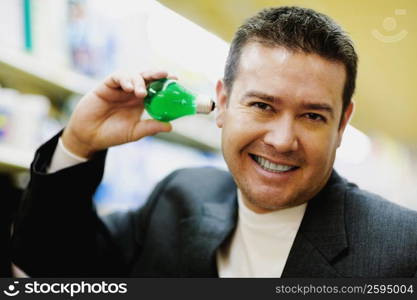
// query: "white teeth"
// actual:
[[270, 166]]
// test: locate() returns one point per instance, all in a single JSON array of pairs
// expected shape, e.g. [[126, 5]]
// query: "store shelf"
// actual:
[[21, 71], [27, 74]]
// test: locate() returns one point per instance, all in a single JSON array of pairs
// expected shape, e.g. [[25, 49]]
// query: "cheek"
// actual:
[[238, 130], [320, 149]]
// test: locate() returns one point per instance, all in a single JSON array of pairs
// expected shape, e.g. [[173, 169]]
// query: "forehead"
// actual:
[[289, 74]]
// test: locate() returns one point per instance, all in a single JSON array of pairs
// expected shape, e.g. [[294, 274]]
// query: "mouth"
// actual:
[[273, 167]]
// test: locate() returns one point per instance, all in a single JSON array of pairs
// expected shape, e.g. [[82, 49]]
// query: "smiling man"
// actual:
[[282, 211]]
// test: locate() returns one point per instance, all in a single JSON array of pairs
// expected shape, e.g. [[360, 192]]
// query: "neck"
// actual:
[[260, 210]]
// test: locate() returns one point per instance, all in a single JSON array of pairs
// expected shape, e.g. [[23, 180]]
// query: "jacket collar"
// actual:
[[202, 234], [320, 240]]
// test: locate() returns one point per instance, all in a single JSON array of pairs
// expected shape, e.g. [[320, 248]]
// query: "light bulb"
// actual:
[[167, 100]]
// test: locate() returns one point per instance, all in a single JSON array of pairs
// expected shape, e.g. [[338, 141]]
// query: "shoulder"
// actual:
[[203, 174], [201, 180], [189, 188], [371, 217], [372, 207]]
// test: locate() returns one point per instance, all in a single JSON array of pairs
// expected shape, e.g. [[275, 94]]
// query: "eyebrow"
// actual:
[[260, 95], [306, 105], [320, 107]]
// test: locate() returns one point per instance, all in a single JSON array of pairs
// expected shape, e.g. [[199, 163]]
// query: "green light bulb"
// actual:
[[167, 100]]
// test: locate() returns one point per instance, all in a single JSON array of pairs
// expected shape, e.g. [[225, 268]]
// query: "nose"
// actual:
[[281, 135]]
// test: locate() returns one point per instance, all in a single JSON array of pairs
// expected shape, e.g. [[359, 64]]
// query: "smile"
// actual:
[[270, 166]]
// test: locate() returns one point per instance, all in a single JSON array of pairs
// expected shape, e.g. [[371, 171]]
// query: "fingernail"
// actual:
[[141, 91]]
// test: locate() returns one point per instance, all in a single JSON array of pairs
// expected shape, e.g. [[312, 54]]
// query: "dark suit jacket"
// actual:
[[346, 232], [9, 201]]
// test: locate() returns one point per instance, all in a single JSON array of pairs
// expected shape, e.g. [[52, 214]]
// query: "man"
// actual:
[[283, 211]]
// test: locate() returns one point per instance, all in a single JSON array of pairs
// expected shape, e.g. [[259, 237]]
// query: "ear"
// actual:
[[221, 103], [346, 118]]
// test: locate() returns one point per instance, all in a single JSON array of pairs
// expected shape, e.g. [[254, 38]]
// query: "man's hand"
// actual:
[[111, 115]]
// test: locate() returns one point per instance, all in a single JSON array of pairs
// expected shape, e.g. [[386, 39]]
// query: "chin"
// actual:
[[269, 201]]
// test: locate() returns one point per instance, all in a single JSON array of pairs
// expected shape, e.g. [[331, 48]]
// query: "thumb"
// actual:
[[150, 127]]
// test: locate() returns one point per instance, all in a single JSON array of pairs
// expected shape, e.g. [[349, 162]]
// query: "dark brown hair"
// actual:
[[296, 29]]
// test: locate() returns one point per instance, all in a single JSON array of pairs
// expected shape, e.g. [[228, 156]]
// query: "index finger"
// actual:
[[153, 75]]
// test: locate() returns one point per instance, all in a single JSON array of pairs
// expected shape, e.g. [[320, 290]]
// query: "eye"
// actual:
[[261, 106], [315, 117]]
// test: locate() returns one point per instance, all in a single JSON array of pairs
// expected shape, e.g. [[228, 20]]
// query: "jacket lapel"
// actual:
[[319, 243], [321, 239], [201, 235]]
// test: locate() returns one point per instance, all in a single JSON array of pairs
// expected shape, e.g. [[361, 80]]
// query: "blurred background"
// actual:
[[54, 51]]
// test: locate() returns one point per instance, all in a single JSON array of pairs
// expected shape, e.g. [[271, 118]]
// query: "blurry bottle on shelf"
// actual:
[[21, 118], [91, 40], [4, 122]]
